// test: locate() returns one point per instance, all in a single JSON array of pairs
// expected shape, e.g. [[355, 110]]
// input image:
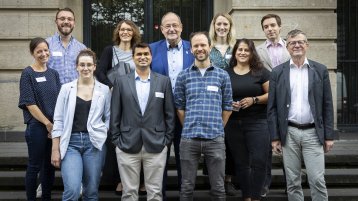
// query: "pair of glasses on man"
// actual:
[[294, 43]]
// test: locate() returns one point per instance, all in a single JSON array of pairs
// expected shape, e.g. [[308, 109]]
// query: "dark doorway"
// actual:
[[347, 69], [101, 17]]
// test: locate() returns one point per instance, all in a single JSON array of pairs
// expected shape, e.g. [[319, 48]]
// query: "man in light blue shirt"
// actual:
[[142, 125], [64, 48]]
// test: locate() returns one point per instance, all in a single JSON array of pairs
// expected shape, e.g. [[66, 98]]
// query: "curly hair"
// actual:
[[254, 61], [136, 37]]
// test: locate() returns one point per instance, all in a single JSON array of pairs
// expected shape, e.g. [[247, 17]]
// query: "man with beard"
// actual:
[[64, 47], [203, 98]]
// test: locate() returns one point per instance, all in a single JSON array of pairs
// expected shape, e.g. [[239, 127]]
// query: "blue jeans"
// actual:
[[82, 164], [214, 153], [39, 148], [249, 140]]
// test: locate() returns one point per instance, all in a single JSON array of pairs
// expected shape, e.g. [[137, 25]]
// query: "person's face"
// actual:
[[142, 57], [200, 47], [86, 67], [243, 53], [297, 46], [271, 29], [171, 28], [65, 22], [222, 26], [41, 53], [125, 33]]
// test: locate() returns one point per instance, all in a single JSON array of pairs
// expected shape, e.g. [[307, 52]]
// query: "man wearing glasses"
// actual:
[[300, 118], [64, 47], [170, 57]]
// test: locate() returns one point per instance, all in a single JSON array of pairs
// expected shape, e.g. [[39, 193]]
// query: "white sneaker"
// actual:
[[39, 191], [81, 191]]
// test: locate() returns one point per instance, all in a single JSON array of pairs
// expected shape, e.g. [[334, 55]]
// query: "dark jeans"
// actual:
[[39, 148], [214, 153], [176, 143], [249, 140]]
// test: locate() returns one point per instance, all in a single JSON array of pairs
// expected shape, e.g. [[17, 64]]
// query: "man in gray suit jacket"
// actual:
[[273, 51], [300, 117], [142, 125]]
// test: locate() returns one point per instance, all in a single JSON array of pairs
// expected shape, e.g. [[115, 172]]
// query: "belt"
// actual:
[[301, 126]]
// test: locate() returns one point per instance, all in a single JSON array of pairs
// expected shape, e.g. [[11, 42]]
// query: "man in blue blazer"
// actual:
[[170, 57], [300, 117]]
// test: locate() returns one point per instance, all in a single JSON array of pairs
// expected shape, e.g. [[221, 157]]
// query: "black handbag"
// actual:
[[121, 68]]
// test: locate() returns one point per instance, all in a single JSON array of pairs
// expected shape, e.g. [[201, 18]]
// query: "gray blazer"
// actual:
[[265, 58], [129, 129], [319, 97]]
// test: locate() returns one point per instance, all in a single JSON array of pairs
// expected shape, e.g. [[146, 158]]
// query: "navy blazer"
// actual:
[[160, 56], [319, 98]]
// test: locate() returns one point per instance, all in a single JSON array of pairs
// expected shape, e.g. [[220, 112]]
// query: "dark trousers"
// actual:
[[39, 148], [176, 143], [249, 141]]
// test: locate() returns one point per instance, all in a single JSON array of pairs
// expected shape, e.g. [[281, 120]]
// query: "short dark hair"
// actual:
[[65, 9], [35, 42], [200, 33], [86, 52], [141, 45], [278, 19]]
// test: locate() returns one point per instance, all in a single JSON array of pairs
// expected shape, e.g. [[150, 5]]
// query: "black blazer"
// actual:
[[129, 129], [319, 97]]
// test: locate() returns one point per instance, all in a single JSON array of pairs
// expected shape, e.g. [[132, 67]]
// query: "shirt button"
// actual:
[[288, 105]]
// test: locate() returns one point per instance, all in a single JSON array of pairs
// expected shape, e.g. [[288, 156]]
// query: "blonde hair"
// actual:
[[231, 38]]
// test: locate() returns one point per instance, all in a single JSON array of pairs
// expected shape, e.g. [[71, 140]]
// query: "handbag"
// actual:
[[121, 68]]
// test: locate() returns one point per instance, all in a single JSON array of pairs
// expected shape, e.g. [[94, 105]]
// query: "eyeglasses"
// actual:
[[83, 65], [299, 42], [124, 29], [168, 26], [62, 19]]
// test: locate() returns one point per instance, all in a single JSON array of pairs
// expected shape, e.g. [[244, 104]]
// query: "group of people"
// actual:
[[213, 95]]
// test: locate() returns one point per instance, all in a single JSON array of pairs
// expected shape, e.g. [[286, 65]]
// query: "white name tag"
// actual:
[[213, 88], [41, 79], [228, 56], [159, 94], [57, 54]]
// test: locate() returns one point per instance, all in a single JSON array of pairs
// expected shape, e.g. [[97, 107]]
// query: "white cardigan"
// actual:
[[98, 117]]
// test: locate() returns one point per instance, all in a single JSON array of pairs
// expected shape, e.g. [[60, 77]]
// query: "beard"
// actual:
[[201, 57], [64, 30]]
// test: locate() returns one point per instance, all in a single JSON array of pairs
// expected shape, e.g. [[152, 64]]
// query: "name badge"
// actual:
[[57, 54], [41, 79], [228, 56], [159, 94], [213, 88]]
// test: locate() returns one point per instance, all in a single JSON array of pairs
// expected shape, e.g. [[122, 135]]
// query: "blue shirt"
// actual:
[[41, 89], [203, 98], [142, 87], [64, 59]]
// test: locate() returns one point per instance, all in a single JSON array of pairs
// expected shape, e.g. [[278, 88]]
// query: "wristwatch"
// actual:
[[256, 100]]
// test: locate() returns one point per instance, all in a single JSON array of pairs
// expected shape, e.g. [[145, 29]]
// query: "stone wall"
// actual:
[[20, 21]]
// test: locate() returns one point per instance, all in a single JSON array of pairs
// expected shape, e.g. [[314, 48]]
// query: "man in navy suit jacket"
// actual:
[[300, 117], [170, 57]]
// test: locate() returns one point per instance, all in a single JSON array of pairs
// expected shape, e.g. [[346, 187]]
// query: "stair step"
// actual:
[[335, 194]]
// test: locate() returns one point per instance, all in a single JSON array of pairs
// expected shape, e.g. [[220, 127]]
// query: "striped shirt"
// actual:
[[203, 98], [64, 59]]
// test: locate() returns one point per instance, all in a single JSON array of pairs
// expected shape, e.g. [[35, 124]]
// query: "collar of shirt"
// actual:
[[271, 44], [193, 67], [137, 77], [178, 46], [305, 63], [59, 38]]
